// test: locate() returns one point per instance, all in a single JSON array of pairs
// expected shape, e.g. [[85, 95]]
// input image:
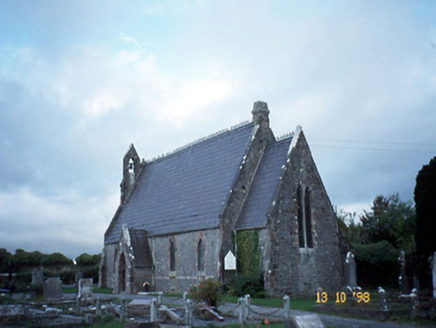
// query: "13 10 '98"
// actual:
[[341, 297]]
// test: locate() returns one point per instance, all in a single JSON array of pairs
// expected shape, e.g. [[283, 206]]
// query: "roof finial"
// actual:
[[260, 114]]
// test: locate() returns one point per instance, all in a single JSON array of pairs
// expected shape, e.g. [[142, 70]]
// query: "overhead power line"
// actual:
[[419, 147], [376, 149], [378, 142]]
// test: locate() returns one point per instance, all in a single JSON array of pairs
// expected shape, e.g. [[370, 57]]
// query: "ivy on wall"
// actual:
[[247, 253]]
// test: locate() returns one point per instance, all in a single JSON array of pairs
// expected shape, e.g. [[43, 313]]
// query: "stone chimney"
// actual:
[[261, 114]]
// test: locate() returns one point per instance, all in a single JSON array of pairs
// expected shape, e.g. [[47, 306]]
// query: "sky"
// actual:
[[82, 80]]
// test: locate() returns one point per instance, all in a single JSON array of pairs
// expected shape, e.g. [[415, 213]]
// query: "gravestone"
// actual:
[[85, 289], [77, 277], [53, 288], [382, 299], [414, 303], [37, 276], [350, 270]]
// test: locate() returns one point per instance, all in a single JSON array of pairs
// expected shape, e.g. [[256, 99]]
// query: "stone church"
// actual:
[[180, 215]]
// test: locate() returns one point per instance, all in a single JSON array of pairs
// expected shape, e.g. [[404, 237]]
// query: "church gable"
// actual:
[[303, 228]]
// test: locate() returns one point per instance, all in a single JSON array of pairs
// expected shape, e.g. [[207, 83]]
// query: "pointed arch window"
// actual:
[[304, 216], [172, 255], [200, 255], [308, 218]]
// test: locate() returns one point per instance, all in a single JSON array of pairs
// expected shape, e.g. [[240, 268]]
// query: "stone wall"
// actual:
[[107, 268], [301, 270], [186, 273]]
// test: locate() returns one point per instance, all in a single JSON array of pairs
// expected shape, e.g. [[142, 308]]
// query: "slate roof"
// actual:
[[263, 188], [186, 190], [141, 248]]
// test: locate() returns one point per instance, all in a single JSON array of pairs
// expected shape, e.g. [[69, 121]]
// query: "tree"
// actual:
[[347, 224], [425, 202], [5, 259], [88, 260], [391, 220], [57, 259]]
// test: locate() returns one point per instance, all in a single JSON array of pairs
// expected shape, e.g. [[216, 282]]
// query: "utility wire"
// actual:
[[376, 149], [377, 142]]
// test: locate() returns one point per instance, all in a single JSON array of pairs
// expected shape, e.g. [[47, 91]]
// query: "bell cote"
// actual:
[[131, 168]]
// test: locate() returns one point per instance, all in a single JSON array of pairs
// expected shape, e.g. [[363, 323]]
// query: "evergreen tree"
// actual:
[[425, 202]]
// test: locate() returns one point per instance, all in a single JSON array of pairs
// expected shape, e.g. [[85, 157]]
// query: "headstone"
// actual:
[[53, 288], [402, 279], [153, 310], [37, 276], [77, 277], [433, 270], [287, 307], [89, 319], [414, 302], [85, 289], [382, 299], [98, 307], [350, 270]]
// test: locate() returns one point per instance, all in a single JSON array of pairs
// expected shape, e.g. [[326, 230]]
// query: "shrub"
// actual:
[[377, 265], [108, 317], [91, 272], [241, 285], [208, 291]]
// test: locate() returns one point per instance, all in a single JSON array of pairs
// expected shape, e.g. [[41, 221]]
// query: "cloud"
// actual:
[[193, 99], [66, 223], [77, 86]]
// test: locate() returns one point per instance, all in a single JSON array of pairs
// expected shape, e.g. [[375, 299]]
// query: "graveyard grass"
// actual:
[[296, 303], [73, 290]]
